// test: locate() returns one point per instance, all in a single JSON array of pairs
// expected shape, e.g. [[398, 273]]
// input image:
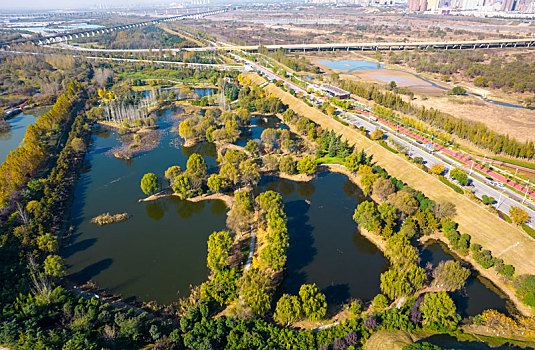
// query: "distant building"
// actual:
[[335, 91], [508, 5], [418, 5]]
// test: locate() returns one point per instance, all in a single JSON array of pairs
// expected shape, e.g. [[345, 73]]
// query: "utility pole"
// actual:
[[471, 166], [499, 199]]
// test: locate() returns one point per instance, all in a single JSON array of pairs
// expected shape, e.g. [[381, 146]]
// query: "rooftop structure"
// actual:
[[335, 91]]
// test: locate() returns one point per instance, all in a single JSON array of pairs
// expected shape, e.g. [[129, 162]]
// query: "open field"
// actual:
[[517, 122], [282, 23], [484, 227]]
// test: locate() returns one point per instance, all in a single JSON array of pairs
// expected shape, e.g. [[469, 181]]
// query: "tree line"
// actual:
[[476, 132], [41, 137]]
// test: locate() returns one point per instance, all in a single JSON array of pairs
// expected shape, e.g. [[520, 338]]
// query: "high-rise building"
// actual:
[[418, 5], [508, 5]]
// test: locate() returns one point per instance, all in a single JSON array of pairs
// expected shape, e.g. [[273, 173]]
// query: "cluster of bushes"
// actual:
[[28, 74], [296, 64], [451, 185], [139, 38], [107, 218], [461, 243]]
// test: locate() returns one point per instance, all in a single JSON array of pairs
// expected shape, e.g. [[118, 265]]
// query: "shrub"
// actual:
[[484, 258], [451, 185]]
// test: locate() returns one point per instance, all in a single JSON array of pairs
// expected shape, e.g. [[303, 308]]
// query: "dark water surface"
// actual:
[[325, 246], [479, 293], [161, 249]]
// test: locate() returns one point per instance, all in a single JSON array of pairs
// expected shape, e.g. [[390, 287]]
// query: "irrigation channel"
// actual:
[[161, 250]]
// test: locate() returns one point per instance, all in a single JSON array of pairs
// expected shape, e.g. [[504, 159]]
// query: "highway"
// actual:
[[369, 46], [505, 198], [373, 46]]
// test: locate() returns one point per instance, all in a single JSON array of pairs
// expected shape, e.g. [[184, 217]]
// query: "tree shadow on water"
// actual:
[[336, 296], [78, 247], [91, 271], [301, 251]]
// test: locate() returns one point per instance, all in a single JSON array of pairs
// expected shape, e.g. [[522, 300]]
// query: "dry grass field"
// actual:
[[484, 227], [388, 340], [517, 122]]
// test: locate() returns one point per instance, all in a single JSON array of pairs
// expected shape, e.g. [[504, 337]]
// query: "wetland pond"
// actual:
[[161, 250], [402, 78]]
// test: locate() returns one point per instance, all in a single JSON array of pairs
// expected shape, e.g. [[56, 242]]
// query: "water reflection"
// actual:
[[325, 247], [478, 295], [156, 210], [161, 249]]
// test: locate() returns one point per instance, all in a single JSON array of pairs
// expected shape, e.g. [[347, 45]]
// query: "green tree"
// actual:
[[450, 276], [481, 81], [306, 165], [313, 302], [250, 172], [255, 290], [367, 178], [460, 176], [149, 183], [354, 160], [221, 288], [269, 137], [182, 186], [397, 283], [218, 245], [268, 200], [252, 147], [518, 215], [457, 90], [367, 217], [229, 172], [380, 302], [196, 166], [55, 266], [215, 183], [288, 310], [525, 289], [171, 173], [439, 311], [48, 243], [287, 165]]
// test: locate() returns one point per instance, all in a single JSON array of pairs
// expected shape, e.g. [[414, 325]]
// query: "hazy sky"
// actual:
[[70, 4]]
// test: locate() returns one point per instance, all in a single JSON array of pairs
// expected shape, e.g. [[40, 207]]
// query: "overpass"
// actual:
[[89, 33], [374, 46]]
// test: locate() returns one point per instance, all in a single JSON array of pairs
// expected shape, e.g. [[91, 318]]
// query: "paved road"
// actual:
[[478, 184], [251, 250]]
